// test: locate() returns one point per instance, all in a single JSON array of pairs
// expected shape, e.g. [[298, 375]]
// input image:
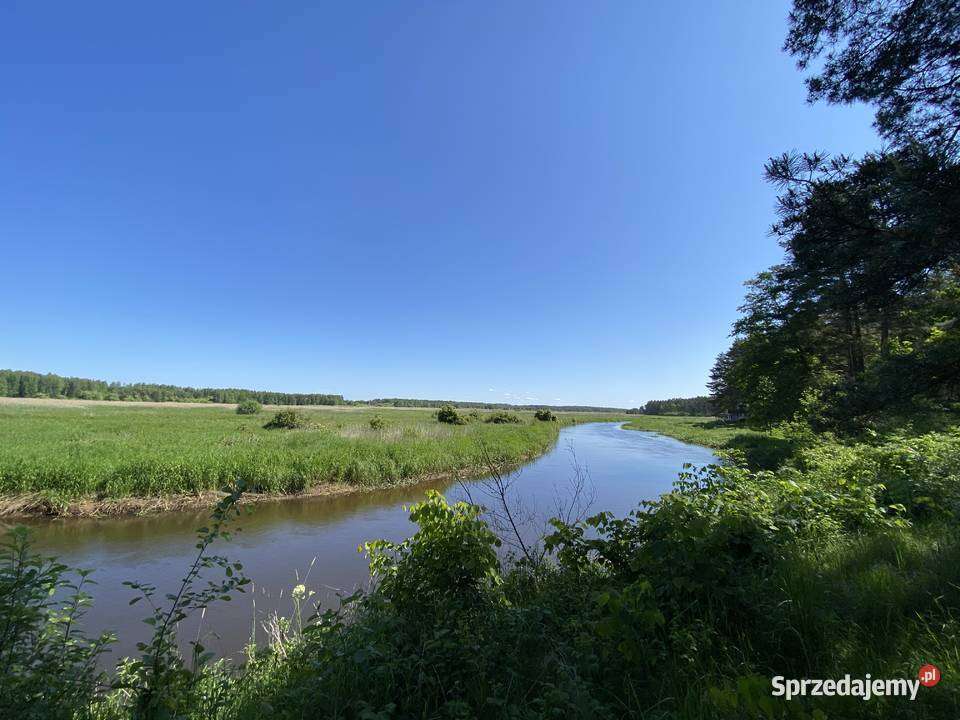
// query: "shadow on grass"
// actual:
[[761, 451]]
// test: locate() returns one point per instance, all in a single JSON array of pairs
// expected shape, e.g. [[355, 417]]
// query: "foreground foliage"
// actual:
[[48, 667]]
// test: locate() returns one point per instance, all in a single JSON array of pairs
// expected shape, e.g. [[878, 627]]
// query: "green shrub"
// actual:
[[377, 423], [448, 414], [248, 407], [288, 420], [545, 415], [502, 418], [920, 475], [449, 564], [48, 665]]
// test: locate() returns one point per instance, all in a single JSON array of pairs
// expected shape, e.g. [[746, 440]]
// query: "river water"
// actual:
[[314, 540]]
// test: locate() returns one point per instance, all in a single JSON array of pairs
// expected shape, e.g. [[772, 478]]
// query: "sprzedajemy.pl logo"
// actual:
[[866, 687]]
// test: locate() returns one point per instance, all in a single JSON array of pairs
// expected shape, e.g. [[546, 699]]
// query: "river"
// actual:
[[314, 540]]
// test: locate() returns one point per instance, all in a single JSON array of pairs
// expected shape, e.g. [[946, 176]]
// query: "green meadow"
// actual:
[[62, 452]]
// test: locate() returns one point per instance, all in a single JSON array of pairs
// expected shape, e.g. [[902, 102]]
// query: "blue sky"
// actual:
[[509, 201]]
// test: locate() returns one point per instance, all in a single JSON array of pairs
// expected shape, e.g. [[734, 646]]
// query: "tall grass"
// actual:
[[103, 452]]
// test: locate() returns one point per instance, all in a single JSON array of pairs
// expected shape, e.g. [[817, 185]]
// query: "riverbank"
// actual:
[[83, 459], [39, 505], [760, 449]]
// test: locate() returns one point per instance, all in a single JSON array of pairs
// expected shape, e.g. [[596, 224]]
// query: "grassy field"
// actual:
[[760, 449], [62, 452]]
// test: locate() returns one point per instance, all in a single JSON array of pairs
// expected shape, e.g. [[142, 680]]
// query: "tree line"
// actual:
[[25, 384], [860, 320], [20, 383], [696, 406]]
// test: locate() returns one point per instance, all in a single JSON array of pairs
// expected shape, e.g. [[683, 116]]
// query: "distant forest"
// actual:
[[21, 383], [698, 406], [25, 384]]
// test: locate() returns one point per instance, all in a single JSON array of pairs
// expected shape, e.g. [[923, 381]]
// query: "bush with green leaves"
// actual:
[[545, 415], [919, 475], [448, 414], [49, 667], [248, 407], [502, 417], [450, 562], [288, 420], [377, 423], [720, 530]]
